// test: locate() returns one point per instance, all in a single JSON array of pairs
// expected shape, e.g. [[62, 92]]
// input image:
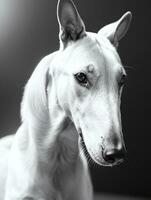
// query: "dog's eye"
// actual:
[[81, 77], [122, 80]]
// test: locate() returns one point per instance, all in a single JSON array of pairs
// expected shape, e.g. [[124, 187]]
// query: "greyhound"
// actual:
[[71, 102]]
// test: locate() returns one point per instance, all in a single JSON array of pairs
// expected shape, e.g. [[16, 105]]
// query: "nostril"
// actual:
[[113, 155]]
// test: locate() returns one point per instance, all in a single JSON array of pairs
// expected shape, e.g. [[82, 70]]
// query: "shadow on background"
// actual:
[[29, 31]]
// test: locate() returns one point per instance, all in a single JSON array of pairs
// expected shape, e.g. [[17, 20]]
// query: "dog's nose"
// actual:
[[113, 155]]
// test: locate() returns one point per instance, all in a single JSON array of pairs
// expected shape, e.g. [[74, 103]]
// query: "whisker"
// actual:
[[129, 67]]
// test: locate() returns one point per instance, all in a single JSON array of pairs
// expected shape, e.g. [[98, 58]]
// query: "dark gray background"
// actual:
[[29, 31]]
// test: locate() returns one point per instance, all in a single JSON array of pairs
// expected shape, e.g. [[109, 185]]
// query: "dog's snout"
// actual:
[[113, 155]]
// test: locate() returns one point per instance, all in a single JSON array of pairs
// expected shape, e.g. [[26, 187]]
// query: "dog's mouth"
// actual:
[[90, 158], [84, 148]]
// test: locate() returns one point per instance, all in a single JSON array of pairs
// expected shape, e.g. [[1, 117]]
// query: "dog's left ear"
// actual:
[[117, 30], [71, 25]]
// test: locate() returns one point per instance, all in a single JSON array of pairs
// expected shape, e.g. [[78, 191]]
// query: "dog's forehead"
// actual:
[[94, 53], [109, 53]]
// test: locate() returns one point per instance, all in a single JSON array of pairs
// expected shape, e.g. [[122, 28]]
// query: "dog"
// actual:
[[70, 109]]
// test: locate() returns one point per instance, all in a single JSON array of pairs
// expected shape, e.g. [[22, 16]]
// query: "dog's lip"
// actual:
[[82, 140], [90, 155], [83, 146], [80, 134]]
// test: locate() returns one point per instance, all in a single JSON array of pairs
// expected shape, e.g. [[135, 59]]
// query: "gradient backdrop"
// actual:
[[29, 31]]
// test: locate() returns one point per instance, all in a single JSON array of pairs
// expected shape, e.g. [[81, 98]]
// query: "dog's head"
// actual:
[[89, 79]]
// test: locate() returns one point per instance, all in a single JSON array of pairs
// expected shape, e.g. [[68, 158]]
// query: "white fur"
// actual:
[[43, 160], [42, 165]]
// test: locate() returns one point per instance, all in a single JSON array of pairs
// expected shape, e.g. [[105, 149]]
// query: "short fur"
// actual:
[[44, 159]]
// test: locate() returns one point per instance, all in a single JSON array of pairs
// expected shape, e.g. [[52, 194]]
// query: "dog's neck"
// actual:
[[49, 150], [59, 142], [53, 141], [47, 139]]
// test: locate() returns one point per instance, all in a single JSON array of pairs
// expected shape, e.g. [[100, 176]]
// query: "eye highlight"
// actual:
[[81, 78]]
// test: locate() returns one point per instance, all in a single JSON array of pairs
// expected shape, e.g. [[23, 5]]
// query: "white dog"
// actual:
[[71, 102]]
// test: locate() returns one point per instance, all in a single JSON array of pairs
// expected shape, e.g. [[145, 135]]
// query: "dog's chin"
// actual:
[[94, 158]]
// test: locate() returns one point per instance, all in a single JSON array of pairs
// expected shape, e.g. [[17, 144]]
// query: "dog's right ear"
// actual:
[[71, 25], [117, 30]]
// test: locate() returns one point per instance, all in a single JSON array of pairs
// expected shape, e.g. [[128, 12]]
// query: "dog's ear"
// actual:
[[71, 25], [117, 30]]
